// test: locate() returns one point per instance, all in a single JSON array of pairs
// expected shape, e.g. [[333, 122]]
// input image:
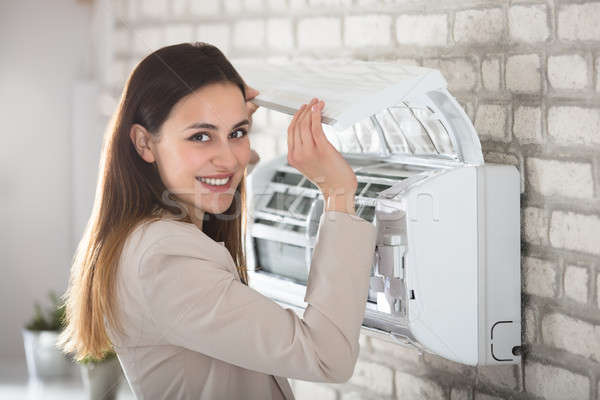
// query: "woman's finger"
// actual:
[[317, 129], [251, 92], [296, 143], [304, 124]]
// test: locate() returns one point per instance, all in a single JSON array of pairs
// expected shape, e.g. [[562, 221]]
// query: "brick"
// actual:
[[121, 40], [527, 124], [560, 178], [179, 8], [460, 73], [579, 21], [490, 121], [296, 5], [215, 34], [442, 364], [567, 71], [249, 33], [576, 283], [232, 6], [535, 226], [479, 26], [154, 8], [422, 30], [375, 377], [598, 74], [276, 5], [484, 396], [205, 8], [553, 383], [178, 34], [330, 3], [413, 387], [528, 24], [280, 34], [460, 394], [352, 396], [320, 32], [395, 351], [573, 335], [498, 375], [598, 289], [523, 73], [306, 390], [574, 125], [539, 277], [490, 73], [254, 5], [530, 325], [367, 30], [147, 40], [573, 231], [117, 73]]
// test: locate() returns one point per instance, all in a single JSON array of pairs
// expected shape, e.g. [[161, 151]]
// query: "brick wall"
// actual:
[[528, 74]]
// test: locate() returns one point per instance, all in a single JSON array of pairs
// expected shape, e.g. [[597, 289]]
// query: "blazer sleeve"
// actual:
[[196, 302]]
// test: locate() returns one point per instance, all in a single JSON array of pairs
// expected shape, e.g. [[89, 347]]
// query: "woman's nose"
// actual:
[[225, 158]]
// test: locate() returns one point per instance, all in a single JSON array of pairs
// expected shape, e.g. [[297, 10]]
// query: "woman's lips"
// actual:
[[217, 188]]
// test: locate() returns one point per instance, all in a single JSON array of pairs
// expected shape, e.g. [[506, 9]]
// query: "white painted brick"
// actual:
[[367, 30], [490, 121], [232, 6], [539, 277], [179, 33], [422, 30], [567, 71], [119, 8], [535, 226], [576, 283], [375, 377], [574, 125], [319, 32], [579, 21], [216, 34], [117, 74], [490, 73], [499, 375], [180, 8], [460, 394], [254, 5], [121, 40], [249, 33], [276, 5], [460, 73], [598, 289], [147, 40], [205, 8], [384, 348], [523, 73], [280, 34], [352, 396], [413, 387], [573, 335], [527, 124], [573, 231], [530, 325], [484, 396], [553, 383], [154, 8], [306, 390], [439, 363], [330, 3], [479, 26], [528, 24], [297, 5], [560, 178], [598, 74]]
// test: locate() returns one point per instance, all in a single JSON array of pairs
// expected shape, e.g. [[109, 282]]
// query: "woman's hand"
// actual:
[[310, 152]]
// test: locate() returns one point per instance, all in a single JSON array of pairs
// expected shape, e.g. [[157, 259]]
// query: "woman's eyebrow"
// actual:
[[198, 125]]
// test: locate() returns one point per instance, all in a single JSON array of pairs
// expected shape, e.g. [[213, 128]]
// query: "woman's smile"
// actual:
[[216, 183]]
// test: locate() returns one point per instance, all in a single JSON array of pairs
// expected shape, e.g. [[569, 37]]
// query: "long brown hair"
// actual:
[[129, 191]]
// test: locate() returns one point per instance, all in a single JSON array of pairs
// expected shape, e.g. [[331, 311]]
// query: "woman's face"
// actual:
[[203, 148]]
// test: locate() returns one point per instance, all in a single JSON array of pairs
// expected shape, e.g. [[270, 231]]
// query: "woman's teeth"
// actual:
[[215, 182]]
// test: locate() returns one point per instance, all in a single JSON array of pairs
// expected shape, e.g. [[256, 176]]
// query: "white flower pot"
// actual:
[[45, 361], [102, 379]]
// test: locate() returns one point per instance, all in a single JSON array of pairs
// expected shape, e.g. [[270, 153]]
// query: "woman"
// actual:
[[160, 274]]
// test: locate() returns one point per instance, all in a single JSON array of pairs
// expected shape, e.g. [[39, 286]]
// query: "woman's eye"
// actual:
[[199, 135], [239, 133]]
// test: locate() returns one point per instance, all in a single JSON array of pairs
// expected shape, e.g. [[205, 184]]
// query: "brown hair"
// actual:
[[129, 191]]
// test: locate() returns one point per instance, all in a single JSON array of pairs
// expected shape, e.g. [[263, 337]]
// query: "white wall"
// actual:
[[44, 48]]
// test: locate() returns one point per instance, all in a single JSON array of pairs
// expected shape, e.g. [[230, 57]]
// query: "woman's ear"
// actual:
[[141, 139]]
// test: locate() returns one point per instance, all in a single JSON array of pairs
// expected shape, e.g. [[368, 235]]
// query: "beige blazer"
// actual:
[[194, 331]]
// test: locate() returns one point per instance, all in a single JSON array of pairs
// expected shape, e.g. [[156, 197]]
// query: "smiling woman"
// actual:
[[160, 274]]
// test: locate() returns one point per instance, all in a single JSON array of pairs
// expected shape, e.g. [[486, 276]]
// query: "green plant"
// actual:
[[52, 319], [107, 356]]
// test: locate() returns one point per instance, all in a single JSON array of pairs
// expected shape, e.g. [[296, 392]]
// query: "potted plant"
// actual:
[[45, 361], [101, 376]]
